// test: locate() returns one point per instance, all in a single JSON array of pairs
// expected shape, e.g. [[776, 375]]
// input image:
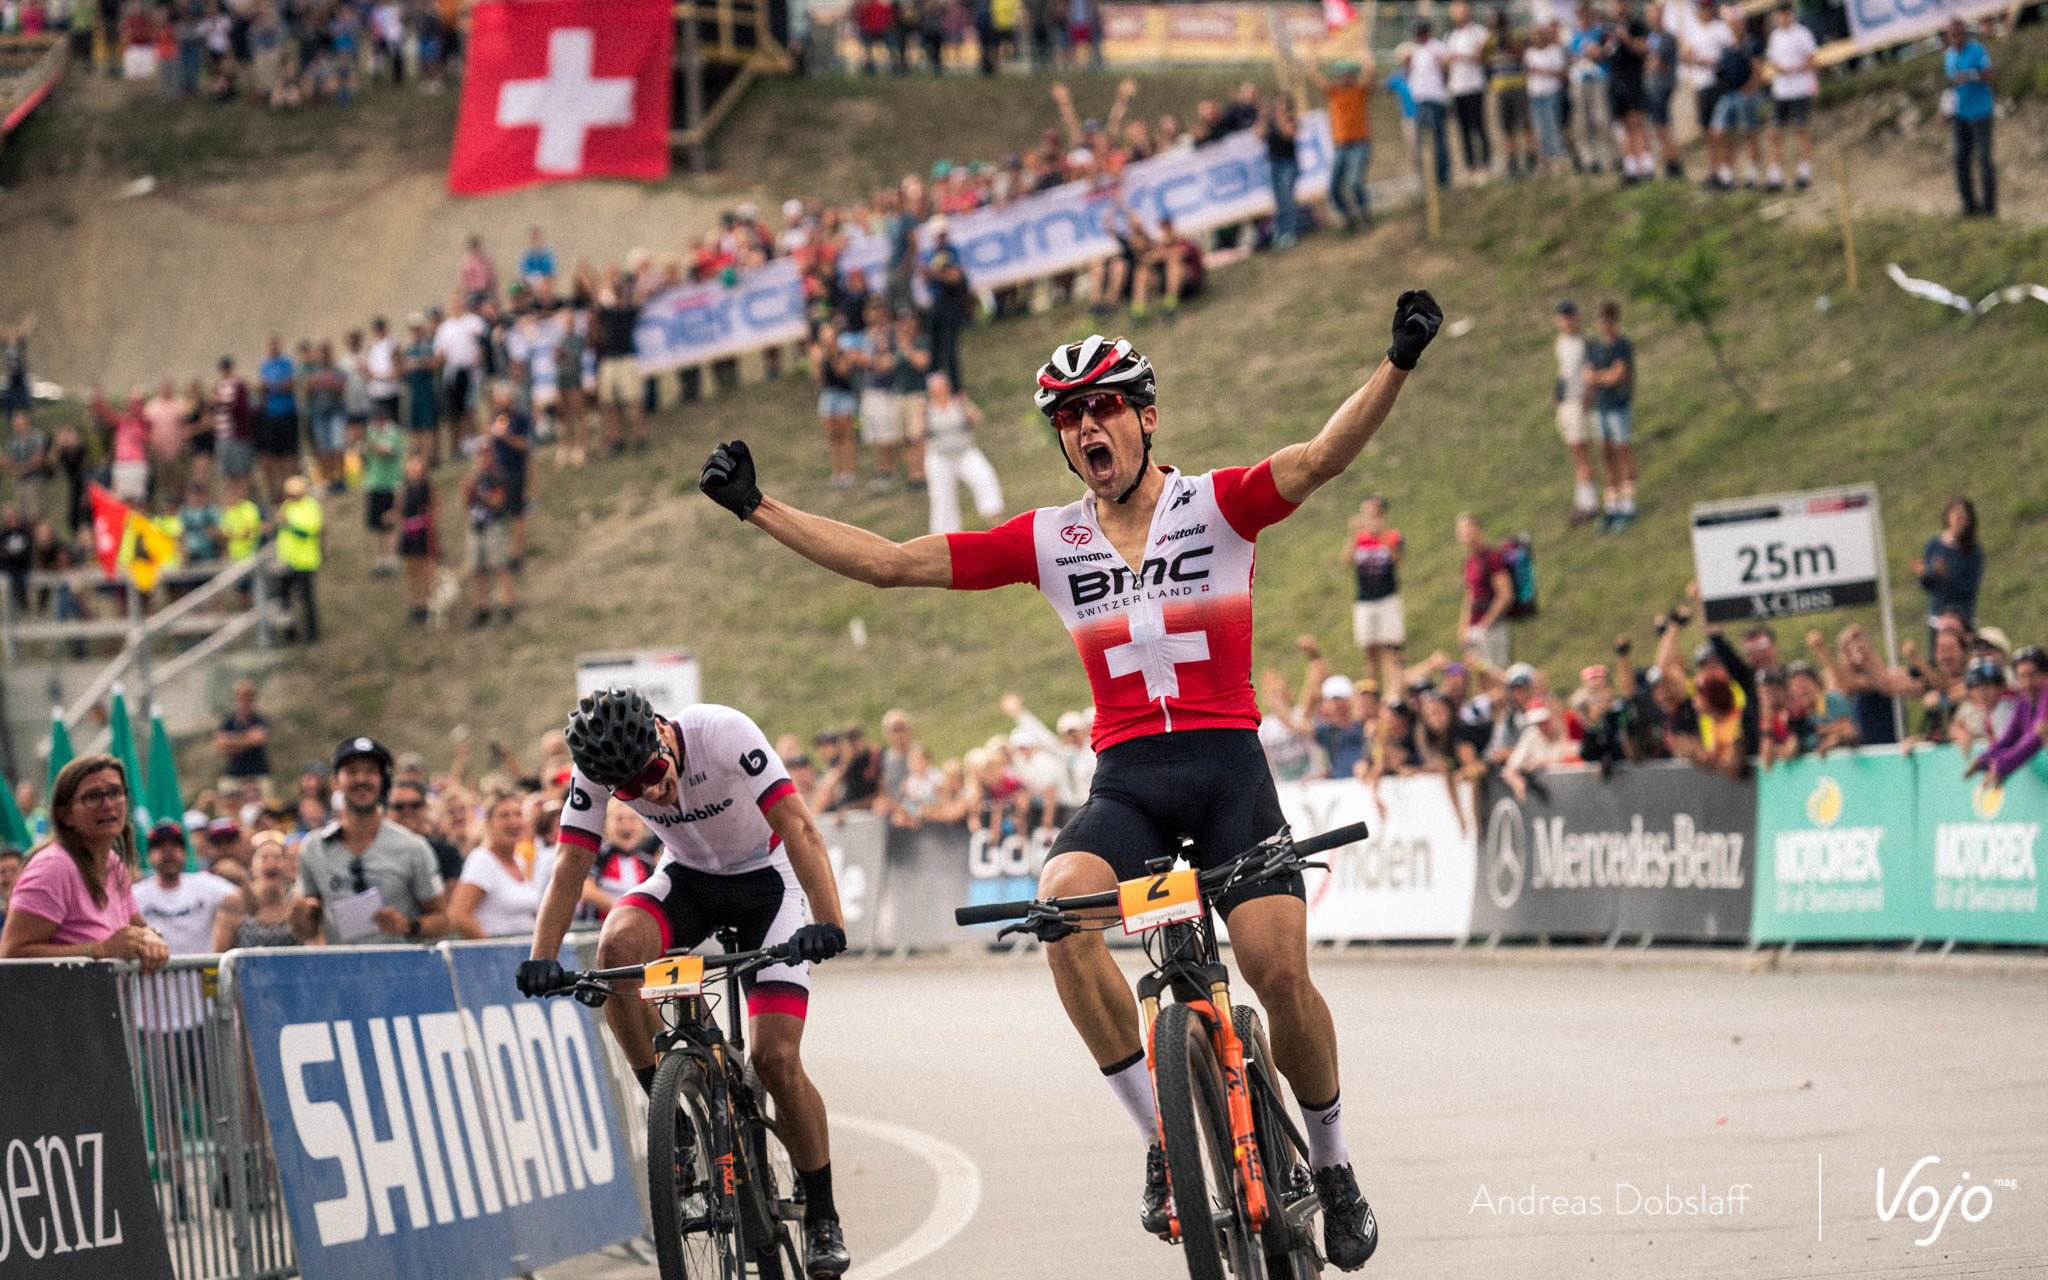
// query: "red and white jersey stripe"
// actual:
[[731, 778], [1167, 646]]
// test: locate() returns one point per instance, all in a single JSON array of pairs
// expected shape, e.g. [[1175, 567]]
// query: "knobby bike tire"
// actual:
[[696, 1223], [1194, 1121], [1288, 1256], [770, 1196]]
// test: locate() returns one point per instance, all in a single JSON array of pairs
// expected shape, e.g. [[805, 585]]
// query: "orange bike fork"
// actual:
[[1230, 1052]]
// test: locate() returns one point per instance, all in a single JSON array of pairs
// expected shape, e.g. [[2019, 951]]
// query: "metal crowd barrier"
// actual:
[[209, 1149]]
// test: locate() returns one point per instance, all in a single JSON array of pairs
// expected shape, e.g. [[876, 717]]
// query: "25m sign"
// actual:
[[1788, 554]]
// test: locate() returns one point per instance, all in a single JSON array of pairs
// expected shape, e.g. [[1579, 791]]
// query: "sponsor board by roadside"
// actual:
[[1662, 849], [1413, 878], [1834, 846], [1983, 840]]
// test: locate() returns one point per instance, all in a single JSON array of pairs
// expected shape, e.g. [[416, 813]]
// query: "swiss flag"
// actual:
[[1338, 14], [562, 89]]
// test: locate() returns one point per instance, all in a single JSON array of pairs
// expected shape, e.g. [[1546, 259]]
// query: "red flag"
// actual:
[[555, 90], [109, 522], [1338, 14]]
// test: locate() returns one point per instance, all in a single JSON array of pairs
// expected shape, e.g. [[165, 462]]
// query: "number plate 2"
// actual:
[[672, 976], [1151, 901]]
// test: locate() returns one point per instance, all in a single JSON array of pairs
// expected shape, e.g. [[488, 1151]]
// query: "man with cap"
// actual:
[[360, 853], [2024, 732], [1525, 694], [1339, 731], [226, 853], [178, 906]]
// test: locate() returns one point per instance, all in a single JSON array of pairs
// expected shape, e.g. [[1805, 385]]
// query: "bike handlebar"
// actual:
[[993, 912], [747, 961]]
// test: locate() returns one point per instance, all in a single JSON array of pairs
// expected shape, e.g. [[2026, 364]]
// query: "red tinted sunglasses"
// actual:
[[1098, 405], [656, 770]]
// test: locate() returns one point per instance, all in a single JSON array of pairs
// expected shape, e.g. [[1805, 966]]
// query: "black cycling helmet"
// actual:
[[368, 748], [611, 734]]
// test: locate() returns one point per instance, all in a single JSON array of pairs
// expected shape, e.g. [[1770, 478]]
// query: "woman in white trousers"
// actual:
[[950, 457]]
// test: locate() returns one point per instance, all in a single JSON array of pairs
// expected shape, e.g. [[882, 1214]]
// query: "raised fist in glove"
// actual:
[[728, 479], [1416, 320], [540, 977], [816, 942]]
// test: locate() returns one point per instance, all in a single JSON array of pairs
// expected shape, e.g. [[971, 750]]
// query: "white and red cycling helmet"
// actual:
[[1094, 364]]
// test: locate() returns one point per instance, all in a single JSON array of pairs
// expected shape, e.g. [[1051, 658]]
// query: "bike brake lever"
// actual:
[[591, 994], [1320, 866]]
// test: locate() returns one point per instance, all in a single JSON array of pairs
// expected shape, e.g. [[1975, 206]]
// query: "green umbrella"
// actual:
[[165, 798], [122, 748], [60, 751], [13, 829]]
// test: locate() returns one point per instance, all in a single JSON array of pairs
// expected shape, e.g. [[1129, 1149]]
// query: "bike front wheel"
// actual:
[[1194, 1121], [689, 1177]]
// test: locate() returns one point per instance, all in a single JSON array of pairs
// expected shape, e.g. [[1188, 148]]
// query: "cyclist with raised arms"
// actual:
[[740, 850], [1152, 573]]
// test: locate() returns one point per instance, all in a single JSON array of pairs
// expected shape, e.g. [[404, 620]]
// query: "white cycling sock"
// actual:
[[1585, 497], [1323, 1127], [1131, 1081]]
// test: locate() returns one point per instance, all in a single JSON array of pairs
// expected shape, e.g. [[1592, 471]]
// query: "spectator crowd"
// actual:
[[280, 53]]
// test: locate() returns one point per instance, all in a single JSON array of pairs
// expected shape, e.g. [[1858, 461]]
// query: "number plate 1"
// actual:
[[1151, 901], [672, 976]]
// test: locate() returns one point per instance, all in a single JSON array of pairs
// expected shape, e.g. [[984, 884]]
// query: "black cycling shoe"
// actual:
[[825, 1248], [1156, 1214], [1349, 1232]]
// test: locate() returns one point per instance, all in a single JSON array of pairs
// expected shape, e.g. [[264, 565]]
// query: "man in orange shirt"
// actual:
[[1350, 139]]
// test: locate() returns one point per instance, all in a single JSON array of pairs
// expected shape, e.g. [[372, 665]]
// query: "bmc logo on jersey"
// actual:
[[1100, 584], [1077, 535]]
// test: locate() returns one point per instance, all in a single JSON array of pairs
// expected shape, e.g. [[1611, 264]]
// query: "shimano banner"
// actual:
[[854, 841], [1661, 849], [1412, 879], [78, 1199], [418, 1136]]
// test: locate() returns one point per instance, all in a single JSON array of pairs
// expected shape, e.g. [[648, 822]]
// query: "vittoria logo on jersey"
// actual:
[[1100, 584], [1077, 535]]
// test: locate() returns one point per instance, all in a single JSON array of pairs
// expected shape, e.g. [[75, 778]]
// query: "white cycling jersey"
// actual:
[[730, 779]]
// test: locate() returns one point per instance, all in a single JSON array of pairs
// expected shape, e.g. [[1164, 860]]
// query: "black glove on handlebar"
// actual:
[[1417, 317], [728, 479], [816, 942], [540, 977]]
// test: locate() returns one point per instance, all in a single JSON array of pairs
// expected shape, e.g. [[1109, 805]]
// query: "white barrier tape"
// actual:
[[1949, 298]]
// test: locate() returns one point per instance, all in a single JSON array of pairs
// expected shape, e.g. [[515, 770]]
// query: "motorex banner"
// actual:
[[1835, 849], [1412, 878], [1982, 844], [416, 1136]]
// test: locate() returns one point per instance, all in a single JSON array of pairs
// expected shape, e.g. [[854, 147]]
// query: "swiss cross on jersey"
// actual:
[[560, 89], [1168, 644]]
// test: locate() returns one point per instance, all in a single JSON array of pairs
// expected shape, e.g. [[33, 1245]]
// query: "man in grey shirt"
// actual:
[[360, 851]]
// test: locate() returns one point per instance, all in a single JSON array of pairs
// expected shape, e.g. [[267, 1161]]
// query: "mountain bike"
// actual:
[[1244, 1199], [726, 1201]]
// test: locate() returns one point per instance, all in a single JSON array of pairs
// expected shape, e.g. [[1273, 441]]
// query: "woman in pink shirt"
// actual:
[[76, 895], [131, 454]]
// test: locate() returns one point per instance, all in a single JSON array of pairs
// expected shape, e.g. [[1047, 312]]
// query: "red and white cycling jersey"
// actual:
[[731, 778], [1166, 647]]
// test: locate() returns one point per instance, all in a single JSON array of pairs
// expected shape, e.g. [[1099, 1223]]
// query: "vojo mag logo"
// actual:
[[1507, 844]]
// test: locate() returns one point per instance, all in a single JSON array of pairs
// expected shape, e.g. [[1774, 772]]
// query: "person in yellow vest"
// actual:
[[241, 521], [299, 521]]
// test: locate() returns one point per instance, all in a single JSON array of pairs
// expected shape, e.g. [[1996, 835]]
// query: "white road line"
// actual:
[[953, 1207]]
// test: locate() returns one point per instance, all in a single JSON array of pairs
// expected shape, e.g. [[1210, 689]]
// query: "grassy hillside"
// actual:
[[1876, 387]]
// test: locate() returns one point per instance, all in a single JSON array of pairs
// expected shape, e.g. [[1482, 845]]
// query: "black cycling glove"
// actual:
[[815, 942], [1416, 320], [540, 977], [728, 479]]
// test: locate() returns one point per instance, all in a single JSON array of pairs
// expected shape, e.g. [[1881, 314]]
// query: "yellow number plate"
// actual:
[[1151, 901], [672, 976]]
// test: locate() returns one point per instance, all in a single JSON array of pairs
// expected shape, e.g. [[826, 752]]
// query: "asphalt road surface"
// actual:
[[1684, 1118]]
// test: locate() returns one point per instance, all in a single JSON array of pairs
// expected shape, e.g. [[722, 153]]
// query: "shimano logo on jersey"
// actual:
[[1064, 561], [698, 814], [1188, 532], [1100, 584]]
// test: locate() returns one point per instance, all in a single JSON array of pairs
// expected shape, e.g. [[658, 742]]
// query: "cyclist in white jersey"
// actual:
[[1152, 573], [740, 850]]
